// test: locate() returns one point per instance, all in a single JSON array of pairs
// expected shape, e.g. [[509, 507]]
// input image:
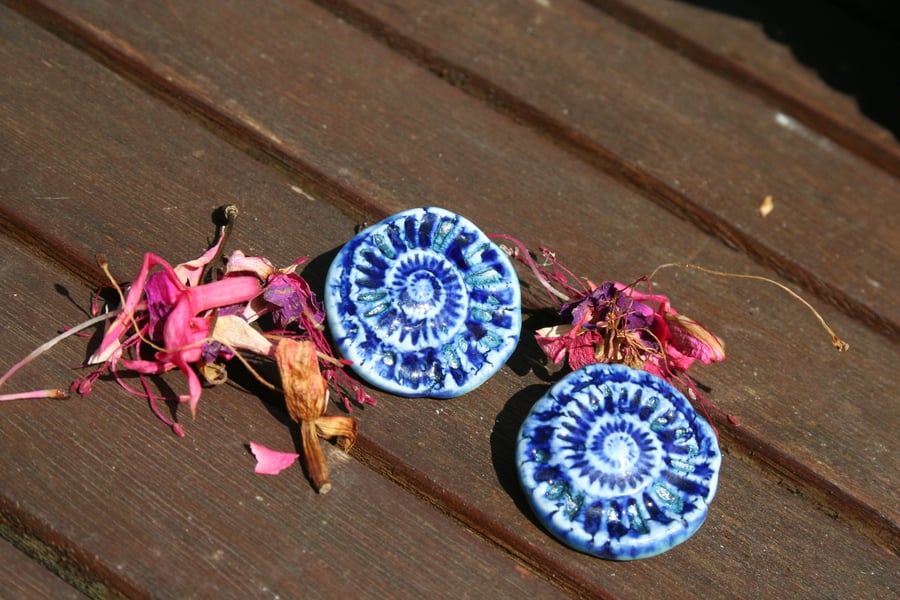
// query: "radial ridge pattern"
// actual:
[[616, 463], [424, 304]]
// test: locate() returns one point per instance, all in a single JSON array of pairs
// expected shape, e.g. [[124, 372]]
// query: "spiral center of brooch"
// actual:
[[421, 294], [623, 456], [620, 451], [430, 295]]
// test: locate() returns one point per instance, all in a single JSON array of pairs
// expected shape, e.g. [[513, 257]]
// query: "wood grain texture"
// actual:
[[694, 142], [807, 505], [98, 489], [818, 61]]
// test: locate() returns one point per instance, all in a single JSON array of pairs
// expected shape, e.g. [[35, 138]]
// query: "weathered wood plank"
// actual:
[[696, 143], [383, 127], [435, 144], [103, 492], [813, 59], [21, 577]]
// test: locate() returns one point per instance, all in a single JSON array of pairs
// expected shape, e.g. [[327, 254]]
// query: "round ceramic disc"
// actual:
[[616, 463], [424, 304]]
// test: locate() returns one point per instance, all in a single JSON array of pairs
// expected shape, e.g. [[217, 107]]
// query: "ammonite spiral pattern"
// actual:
[[616, 463], [424, 304]]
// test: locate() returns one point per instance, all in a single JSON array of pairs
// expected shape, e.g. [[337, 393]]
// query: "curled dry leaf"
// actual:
[[306, 396]]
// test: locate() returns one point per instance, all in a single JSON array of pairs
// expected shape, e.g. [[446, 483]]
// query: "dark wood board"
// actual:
[[822, 63], [698, 144], [21, 577], [99, 490], [456, 152]]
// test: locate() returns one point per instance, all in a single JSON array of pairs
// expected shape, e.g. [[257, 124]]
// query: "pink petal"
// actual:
[[694, 340], [554, 341], [238, 262], [582, 351], [111, 342], [191, 271], [224, 292], [553, 347], [271, 462]]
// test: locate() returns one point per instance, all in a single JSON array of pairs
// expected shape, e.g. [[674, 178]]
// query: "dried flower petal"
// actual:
[[234, 330], [306, 396], [271, 462], [694, 340], [305, 389]]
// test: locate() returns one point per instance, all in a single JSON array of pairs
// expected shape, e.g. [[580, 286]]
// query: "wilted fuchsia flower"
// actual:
[[617, 324], [193, 325], [173, 317]]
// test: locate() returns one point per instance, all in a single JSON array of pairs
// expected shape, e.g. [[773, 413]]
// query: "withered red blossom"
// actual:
[[177, 317], [616, 323], [197, 326], [171, 316]]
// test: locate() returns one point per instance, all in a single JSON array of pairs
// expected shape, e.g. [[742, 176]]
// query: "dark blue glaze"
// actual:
[[424, 304], [616, 463]]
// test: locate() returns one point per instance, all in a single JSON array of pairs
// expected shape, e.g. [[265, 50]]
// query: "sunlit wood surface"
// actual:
[[622, 135]]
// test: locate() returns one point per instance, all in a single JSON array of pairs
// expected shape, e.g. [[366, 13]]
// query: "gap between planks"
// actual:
[[630, 175], [269, 150], [44, 546]]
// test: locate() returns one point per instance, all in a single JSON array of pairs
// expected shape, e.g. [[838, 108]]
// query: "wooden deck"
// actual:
[[622, 135]]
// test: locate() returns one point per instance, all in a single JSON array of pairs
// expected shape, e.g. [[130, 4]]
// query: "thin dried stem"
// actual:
[[247, 365], [836, 341], [55, 393], [521, 253]]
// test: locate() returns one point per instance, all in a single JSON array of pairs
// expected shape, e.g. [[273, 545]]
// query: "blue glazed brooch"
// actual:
[[424, 304], [616, 463]]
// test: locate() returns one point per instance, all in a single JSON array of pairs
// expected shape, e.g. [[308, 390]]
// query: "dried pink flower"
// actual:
[[271, 462], [616, 323], [174, 317]]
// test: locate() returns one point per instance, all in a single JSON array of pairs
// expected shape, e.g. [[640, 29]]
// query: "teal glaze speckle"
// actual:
[[424, 304], [616, 463]]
